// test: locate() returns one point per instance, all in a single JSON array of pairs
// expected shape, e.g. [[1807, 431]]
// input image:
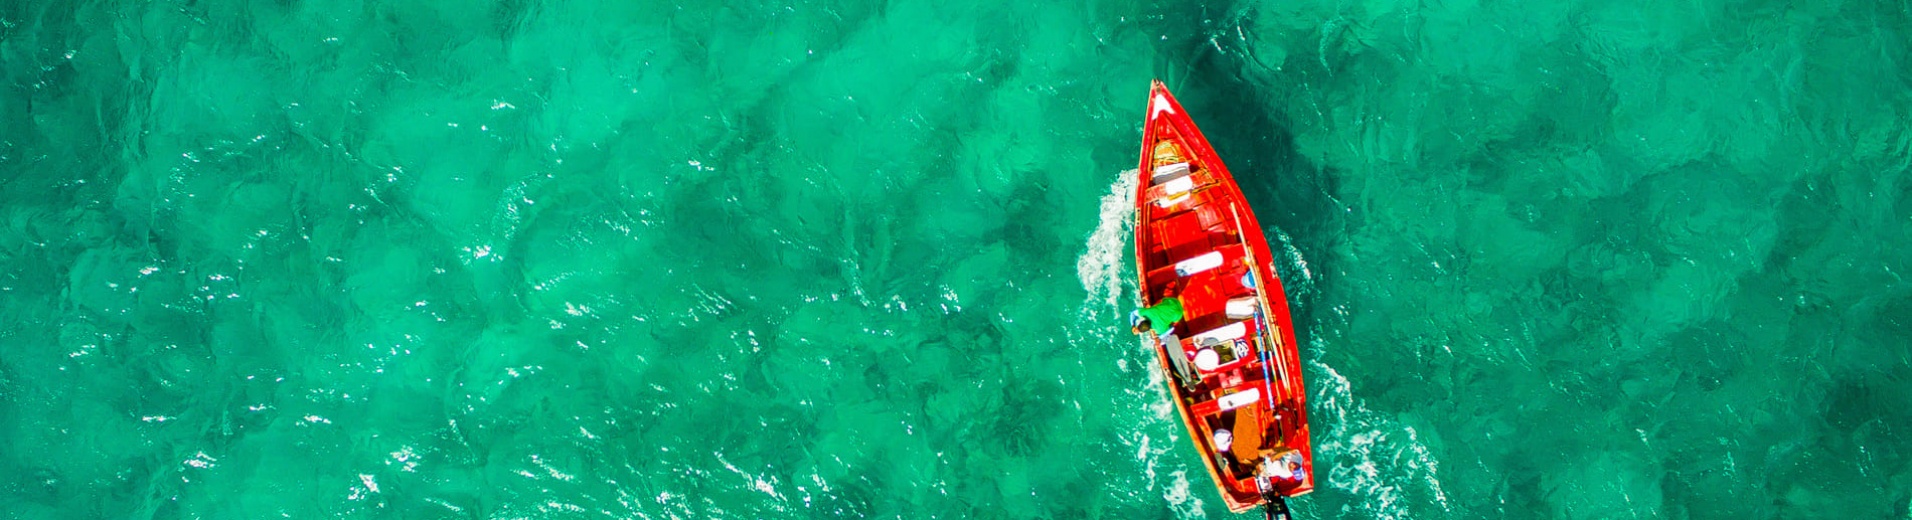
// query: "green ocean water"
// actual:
[[637, 259]]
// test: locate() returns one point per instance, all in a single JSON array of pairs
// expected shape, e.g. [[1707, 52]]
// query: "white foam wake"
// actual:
[[1370, 455], [1104, 272], [1299, 290], [1100, 268]]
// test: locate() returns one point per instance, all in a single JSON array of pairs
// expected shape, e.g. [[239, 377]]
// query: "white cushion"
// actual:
[[1242, 307], [1225, 333], [1239, 399], [1210, 260], [1169, 170], [1179, 185]]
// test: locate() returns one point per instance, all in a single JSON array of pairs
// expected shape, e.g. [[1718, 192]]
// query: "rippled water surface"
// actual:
[[636, 259]]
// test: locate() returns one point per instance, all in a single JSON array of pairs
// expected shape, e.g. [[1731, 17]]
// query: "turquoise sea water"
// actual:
[[636, 259]]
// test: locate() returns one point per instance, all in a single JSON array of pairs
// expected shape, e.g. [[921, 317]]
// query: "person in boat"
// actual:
[[1161, 319], [1283, 465]]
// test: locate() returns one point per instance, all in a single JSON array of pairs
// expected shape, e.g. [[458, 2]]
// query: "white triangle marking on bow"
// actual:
[[1161, 105]]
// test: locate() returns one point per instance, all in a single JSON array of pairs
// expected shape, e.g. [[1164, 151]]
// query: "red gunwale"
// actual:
[[1286, 412]]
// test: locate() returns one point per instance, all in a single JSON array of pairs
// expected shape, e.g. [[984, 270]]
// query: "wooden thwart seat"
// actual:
[[1231, 398]]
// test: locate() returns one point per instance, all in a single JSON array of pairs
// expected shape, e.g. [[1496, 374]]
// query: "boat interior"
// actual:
[[1193, 246]]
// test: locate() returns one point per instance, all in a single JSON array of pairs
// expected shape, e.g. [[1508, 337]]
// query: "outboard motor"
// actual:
[[1275, 507]]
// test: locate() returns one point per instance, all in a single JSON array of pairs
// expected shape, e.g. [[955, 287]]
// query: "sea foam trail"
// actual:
[[1300, 288], [1101, 266], [1369, 455], [1103, 270]]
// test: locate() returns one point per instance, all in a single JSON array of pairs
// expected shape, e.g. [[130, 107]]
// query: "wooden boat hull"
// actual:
[[1194, 234]]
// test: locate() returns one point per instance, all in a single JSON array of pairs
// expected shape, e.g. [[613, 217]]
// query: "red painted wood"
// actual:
[[1215, 216]]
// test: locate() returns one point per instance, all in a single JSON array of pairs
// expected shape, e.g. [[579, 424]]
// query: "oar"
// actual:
[[1261, 296], [1273, 505]]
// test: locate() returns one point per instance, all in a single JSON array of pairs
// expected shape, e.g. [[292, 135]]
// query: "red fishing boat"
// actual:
[[1232, 365]]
